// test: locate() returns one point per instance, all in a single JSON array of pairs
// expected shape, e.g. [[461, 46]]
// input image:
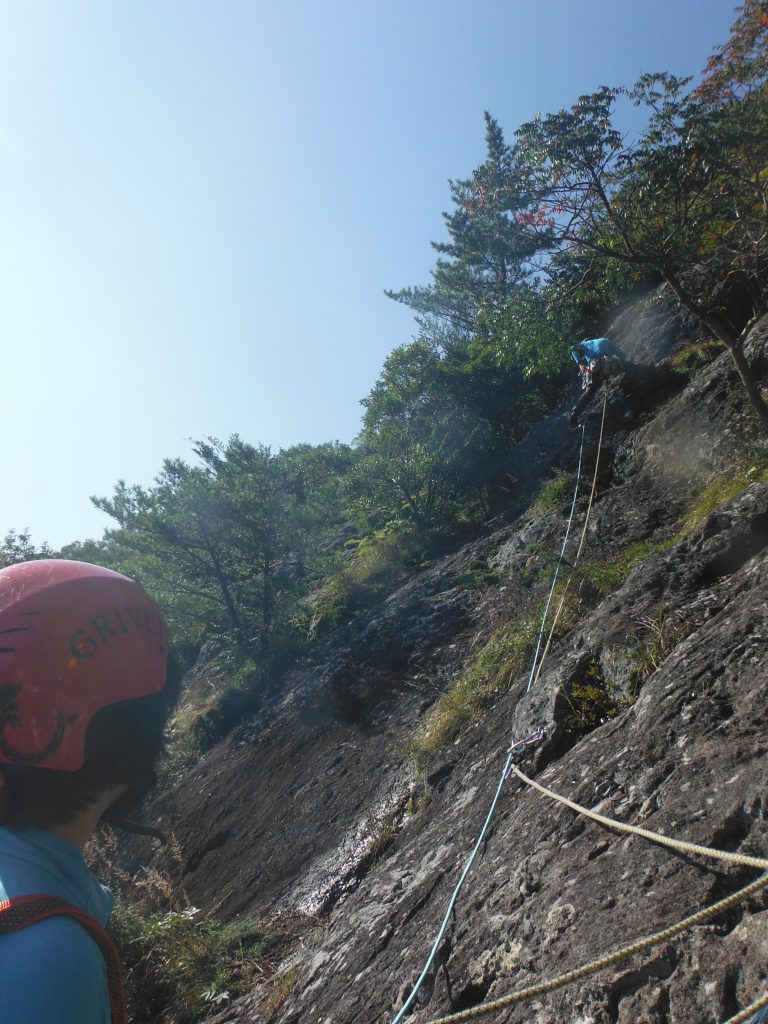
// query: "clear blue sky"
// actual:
[[202, 202]]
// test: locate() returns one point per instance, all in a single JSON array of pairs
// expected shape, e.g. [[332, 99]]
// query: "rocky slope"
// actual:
[[314, 809]]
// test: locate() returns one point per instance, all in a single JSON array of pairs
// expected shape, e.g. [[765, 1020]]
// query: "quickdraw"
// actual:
[[520, 750]]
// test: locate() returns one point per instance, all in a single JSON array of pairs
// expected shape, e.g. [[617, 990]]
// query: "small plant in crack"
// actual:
[[421, 793], [281, 988], [588, 701], [652, 643], [381, 833]]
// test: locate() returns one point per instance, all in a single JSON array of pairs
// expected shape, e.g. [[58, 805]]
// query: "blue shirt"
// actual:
[[593, 347], [51, 972]]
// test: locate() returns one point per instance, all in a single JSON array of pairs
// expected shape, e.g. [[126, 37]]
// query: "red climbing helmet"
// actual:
[[74, 638]]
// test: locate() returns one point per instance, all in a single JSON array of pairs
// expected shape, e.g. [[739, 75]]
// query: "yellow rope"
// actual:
[[655, 837], [743, 1015], [746, 1013], [648, 941], [611, 958], [594, 481], [561, 605]]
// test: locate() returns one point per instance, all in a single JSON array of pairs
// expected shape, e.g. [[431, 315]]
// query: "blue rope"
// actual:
[[456, 892], [557, 567], [505, 772], [760, 1017]]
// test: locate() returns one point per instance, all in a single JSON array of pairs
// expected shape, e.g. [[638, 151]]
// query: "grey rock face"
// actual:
[[679, 646]]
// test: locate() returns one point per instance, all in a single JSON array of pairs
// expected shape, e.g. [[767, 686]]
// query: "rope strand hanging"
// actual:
[[750, 1014], [557, 570], [579, 550], [504, 774]]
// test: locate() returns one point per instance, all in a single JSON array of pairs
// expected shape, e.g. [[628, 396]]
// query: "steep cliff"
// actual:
[[653, 698]]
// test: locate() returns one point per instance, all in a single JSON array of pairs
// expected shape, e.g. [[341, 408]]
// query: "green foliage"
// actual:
[[232, 693], [554, 494], [481, 683], [18, 547], [545, 235], [652, 642], [732, 139], [488, 254], [477, 575], [370, 567], [488, 362], [691, 190], [241, 546], [591, 699], [588, 701], [97, 552], [227, 546], [598, 578], [520, 349], [422, 452], [510, 648], [720, 489], [595, 287], [604, 576], [180, 966], [695, 355], [739, 67]]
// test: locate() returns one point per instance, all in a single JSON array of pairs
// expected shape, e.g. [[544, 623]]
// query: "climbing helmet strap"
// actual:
[[20, 911]]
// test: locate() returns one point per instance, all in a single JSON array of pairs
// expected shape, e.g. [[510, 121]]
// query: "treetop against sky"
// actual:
[[203, 205]]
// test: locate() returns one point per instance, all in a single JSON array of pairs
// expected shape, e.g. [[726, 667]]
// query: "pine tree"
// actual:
[[488, 253]]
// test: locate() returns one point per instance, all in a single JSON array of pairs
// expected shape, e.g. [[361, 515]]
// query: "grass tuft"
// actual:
[[282, 986], [373, 566], [720, 489], [694, 356], [554, 494], [180, 966]]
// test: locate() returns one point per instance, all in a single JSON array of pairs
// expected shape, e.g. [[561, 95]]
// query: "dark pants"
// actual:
[[586, 398]]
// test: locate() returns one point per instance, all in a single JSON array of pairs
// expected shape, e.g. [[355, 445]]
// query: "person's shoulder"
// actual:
[[53, 972]]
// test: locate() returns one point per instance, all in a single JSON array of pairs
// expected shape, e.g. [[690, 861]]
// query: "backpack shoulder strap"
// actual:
[[20, 911]]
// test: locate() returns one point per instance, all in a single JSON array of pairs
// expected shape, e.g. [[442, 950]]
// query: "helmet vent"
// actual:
[[16, 629]]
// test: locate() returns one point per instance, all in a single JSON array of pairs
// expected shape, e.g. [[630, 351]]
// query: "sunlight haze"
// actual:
[[202, 204]]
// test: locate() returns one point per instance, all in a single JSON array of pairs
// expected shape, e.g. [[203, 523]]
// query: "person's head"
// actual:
[[86, 686]]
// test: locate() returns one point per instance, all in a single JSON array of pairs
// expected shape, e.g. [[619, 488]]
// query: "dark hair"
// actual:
[[122, 746]]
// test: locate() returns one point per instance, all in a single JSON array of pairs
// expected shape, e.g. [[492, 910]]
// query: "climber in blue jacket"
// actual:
[[597, 359]]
